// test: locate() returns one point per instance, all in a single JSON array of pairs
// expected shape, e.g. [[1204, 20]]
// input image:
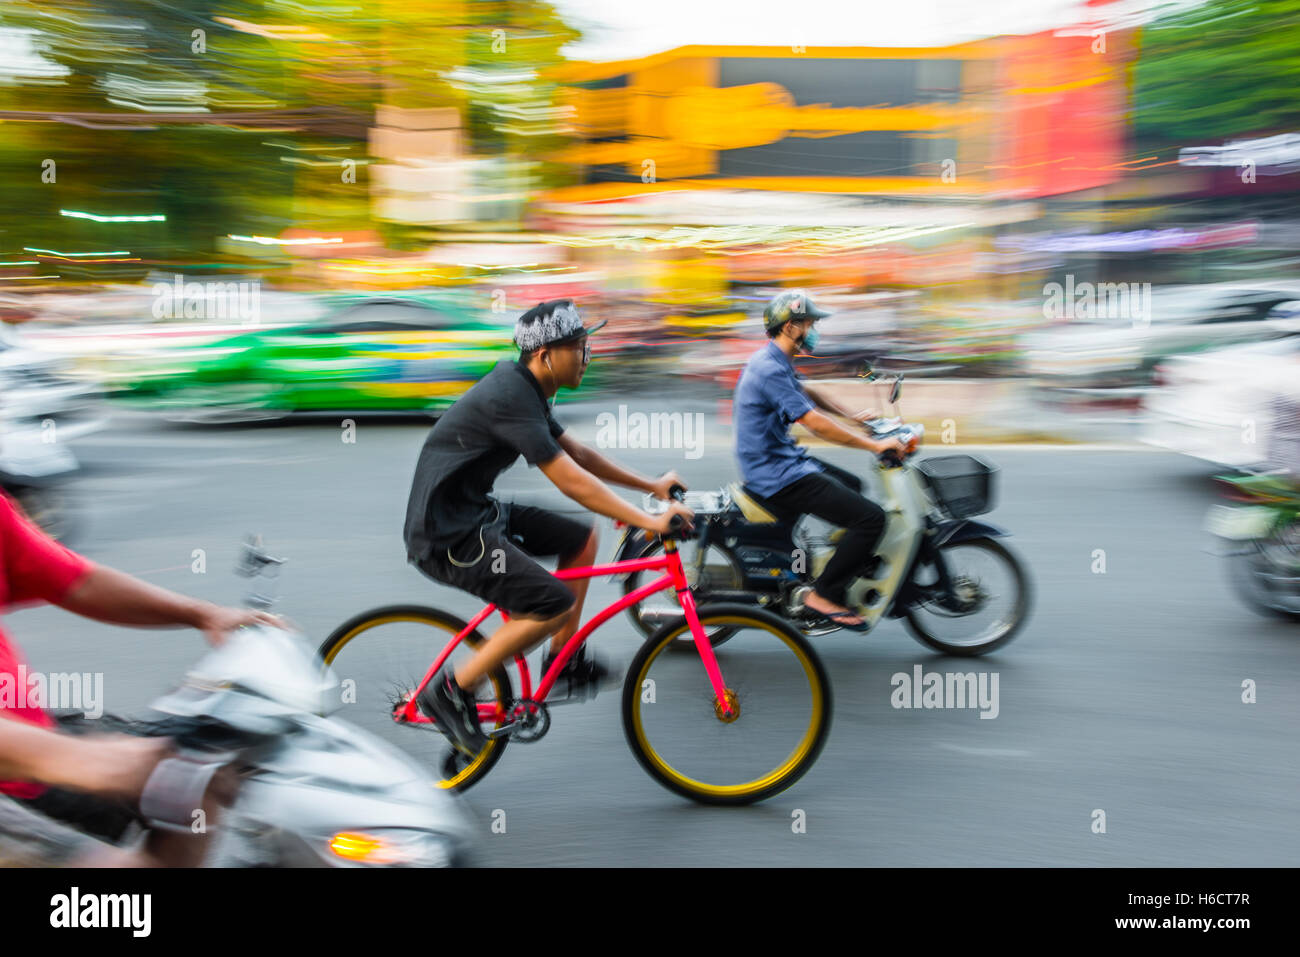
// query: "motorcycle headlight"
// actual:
[[393, 847]]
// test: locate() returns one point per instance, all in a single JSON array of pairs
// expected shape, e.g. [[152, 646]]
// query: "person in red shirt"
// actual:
[[89, 781]]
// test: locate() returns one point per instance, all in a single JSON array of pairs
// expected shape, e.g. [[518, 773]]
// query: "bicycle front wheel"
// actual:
[[780, 709], [380, 656]]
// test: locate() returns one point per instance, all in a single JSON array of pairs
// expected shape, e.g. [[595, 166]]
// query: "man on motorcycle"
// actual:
[[57, 789], [769, 398], [458, 534]]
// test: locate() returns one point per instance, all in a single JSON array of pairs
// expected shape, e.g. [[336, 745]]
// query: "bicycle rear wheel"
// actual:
[[780, 696], [381, 672]]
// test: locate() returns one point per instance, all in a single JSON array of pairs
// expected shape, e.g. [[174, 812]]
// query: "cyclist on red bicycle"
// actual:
[[458, 534]]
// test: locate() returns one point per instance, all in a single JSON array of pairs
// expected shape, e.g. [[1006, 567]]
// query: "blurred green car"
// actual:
[[367, 354]]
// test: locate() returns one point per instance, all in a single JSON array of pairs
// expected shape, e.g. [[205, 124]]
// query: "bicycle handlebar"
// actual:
[[677, 525]]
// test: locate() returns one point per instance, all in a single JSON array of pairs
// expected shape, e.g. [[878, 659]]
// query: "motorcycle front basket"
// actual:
[[961, 485]]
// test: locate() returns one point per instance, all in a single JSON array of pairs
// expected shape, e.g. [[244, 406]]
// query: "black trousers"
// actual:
[[835, 496]]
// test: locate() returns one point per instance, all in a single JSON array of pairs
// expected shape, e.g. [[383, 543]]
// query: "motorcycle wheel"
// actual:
[[1276, 558], [922, 619]]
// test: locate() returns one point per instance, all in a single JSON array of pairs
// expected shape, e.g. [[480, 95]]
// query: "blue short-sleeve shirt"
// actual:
[[769, 398]]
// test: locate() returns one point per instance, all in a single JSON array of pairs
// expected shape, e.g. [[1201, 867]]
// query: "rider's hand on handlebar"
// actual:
[[218, 622], [899, 445], [662, 486], [662, 524]]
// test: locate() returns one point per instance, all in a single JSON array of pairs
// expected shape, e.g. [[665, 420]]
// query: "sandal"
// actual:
[[836, 618]]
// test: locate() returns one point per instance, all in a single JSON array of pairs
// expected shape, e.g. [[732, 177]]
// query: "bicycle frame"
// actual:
[[674, 577]]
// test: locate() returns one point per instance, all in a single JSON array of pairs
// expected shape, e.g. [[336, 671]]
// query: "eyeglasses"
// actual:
[[586, 348]]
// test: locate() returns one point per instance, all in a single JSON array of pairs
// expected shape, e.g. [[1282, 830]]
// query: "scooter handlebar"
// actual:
[[911, 433]]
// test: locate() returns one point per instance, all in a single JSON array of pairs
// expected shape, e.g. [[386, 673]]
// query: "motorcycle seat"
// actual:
[[753, 506]]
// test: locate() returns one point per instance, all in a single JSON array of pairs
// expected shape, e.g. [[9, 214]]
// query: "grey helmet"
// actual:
[[790, 304]]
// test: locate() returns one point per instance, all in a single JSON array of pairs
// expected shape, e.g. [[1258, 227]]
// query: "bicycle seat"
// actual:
[[753, 506]]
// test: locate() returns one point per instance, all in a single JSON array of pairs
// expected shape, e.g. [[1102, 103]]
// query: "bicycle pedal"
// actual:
[[571, 696]]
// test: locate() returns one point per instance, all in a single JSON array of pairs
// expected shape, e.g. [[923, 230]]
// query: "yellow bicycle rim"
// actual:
[[800, 751], [469, 770]]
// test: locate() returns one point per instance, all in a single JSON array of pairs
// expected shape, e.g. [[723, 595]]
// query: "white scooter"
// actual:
[[959, 589], [314, 791]]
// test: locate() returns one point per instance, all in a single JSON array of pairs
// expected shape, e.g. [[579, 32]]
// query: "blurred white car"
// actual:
[[1221, 406], [1118, 353]]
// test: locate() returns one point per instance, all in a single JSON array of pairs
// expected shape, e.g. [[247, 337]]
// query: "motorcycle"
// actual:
[[937, 568], [314, 791], [1264, 532]]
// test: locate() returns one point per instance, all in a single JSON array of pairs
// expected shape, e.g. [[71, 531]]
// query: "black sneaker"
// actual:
[[582, 673], [454, 710]]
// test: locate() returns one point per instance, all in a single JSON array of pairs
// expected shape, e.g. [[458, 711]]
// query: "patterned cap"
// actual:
[[548, 323], [792, 304]]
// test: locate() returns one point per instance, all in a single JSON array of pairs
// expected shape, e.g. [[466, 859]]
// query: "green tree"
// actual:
[[1221, 69], [311, 74]]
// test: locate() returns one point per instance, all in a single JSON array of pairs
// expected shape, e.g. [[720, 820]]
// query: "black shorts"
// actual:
[[497, 566]]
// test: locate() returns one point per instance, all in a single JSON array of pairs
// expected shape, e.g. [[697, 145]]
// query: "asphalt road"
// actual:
[[1123, 694]]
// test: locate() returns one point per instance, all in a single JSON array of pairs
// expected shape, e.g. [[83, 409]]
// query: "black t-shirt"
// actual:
[[502, 416]]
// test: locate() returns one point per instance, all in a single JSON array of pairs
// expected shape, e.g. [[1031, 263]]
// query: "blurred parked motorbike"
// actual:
[[1265, 534], [1264, 527]]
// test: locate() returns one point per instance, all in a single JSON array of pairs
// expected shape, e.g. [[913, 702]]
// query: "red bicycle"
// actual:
[[728, 725]]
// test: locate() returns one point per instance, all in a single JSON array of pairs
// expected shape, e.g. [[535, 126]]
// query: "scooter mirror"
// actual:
[[896, 390]]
